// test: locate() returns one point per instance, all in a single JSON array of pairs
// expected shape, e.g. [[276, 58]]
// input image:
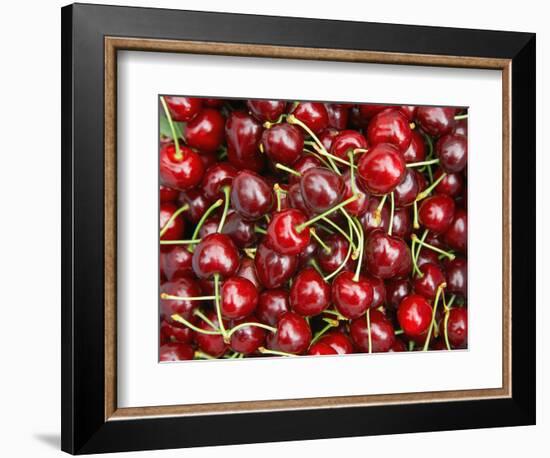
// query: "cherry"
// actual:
[[378, 290], [175, 351], [283, 235], [251, 196], [414, 315], [169, 332], [215, 254], [457, 327], [346, 141], [452, 184], [436, 121], [283, 143], [309, 293], [396, 291], [176, 227], [387, 256], [248, 270], [168, 194], [390, 126], [416, 152], [381, 169], [293, 333], [274, 269], [266, 110], [321, 349], [239, 298], [331, 260], [405, 193], [456, 236], [382, 334], [436, 213], [175, 262], [182, 170], [211, 344], [183, 109], [206, 131], [338, 341], [321, 189], [312, 114], [351, 297], [360, 205], [338, 115], [243, 134], [431, 279], [457, 277], [215, 178], [248, 338], [271, 305], [452, 151], [306, 162], [241, 232], [181, 287], [327, 136]]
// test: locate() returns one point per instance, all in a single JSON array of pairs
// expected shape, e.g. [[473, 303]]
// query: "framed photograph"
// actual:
[[282, 228]]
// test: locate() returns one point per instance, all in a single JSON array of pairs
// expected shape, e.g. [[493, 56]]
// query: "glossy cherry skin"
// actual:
[[436, 213], [283, 143], [456, 272], [271, 305], [381, 331], [293, 333], [266, 110], [390, 126], [175, 262], [456, 237], [414, 315], [432, 277], [347, 141], [338, 115], [241, 232], [452, 151], [168, 194], [338, 341], [210, 344], [452, 184], [283, 235], [248, 270], [387, 256], [274, 269], [239, 298], [251, 195], [215, 178], [177, 226], [171, 333], [457, 327], [321, 349], [183, 109], [249, 338], [182, 171], [243, 134], [416, 151], [176, 351], [182, 287], [436, 121], [329, 261], [359, 206], [321, 189], [310, 293], [206, 131], [351, 298], [396, 291], [381, 169], [215, 254], [312, 114], [405, 193]]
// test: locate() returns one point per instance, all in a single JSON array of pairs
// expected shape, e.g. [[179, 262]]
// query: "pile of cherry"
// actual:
[[304, 228]]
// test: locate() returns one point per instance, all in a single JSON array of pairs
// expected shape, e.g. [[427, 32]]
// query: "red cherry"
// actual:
[[416, 152], [168, 194], [457, 327], [211, 344], [266, 110], [181, 287], [239, 298], [293, 333], [180, 171], [177, 226], [338, 341], [346, 141], [456, 236], [175, 351], [206, 131], [390, 126], [320, 349], [283, 143], [427, 284], [381, 332], [274, 269], [436, 213], [243, 134], [283, 235], [215, 254], [338, 115], [175, 262], [251, 195], [321, 189], [249, 338], [215, 178], [331, 260], [381, 169], [414, 315], [452, 184], [452, 151], [436, 121], [271, 305], [310, 293], [241, 232], [312, 114], [457, 277], [387, 256], [183, 109], [351, 298]]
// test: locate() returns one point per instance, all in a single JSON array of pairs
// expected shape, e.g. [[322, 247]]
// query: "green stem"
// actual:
[[182, 320], [266, 351], [302, 226], [440, 288], [433, 248], [226, 191], [179, 154], [206, 214], [244, 325], [420, 164], [177, 213]]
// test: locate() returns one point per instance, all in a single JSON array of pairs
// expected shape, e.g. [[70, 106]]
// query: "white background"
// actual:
[[30, 229]]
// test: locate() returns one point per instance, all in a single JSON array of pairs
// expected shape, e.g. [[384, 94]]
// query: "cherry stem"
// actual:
[[368, 329], [267, 351], [180, 242], [244, 325], [204, 318], [218, 307], [179, 154], [330, 324], [440, 289], [416, 225], [459, 117], [430, 188], [259, 230], [392, 211], [283, 167], [433, 248], [206, 214], [226, 191], [302, 226], [201, 355], [183, 298], [313, 233], [378, 211], [420, 164], [277, 190], [177, 213], [183, 321]]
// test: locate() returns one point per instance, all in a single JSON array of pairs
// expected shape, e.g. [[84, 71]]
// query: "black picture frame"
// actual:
[[84, 427]]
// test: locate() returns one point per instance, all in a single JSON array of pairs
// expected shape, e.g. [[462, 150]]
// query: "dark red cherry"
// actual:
[[320, 349], [310, 293], [215, 178], [271, 305], [427, 284], [180, 171], [243, 134], [241, 232], [381, 169], [402, 223], [347, 141], [378, 290], [206, 131], [321, 189], [456, 272], [436, 121], [239, 298], [283, 143], [251, 195], [210, 344], [369, 221], [306, 162], [359, 206], [183, 109], [338, 341], [168, 194], [381, 332], [215, 254], [456, 236], [293, 333], [338, 115], [177, 226], [312, 114], [436, 213], [197, 203], [414, 315], [171, 333], [452, 151], [181, 287], [274, 269], [249, 338], [390, 126], [405, 193], [327, 136], [452, 184], [387, 256], [331, 260], [416, 152], [396, 291], [176, 351], [283, 235], [248, 270], [175, 262], [351, 298], [457, 327], [266, 110]]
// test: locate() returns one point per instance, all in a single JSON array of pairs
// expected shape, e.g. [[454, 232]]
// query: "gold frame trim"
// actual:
[[112, 45]]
